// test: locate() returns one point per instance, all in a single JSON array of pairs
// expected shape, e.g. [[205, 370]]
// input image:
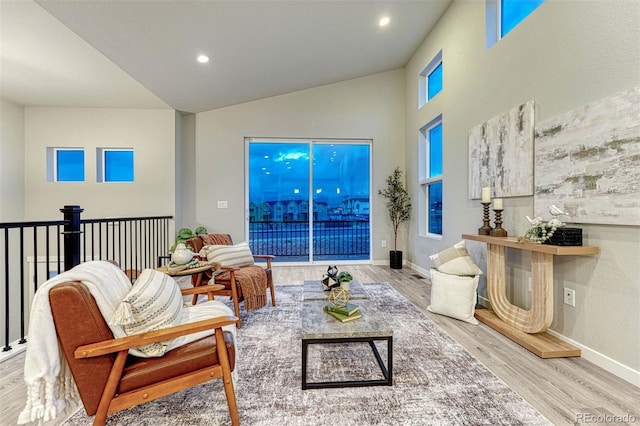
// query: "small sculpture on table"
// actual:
[[339, 296]]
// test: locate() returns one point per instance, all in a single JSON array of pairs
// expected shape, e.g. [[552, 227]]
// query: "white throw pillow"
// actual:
[[455, 260], [454, 296], [237, 255], [154, 302]]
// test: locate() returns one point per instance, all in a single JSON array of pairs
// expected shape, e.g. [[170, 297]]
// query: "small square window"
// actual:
[[65, 165], [115, 165]]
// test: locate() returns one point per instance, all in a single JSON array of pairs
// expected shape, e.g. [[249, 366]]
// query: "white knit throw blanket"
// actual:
[[49, 382]]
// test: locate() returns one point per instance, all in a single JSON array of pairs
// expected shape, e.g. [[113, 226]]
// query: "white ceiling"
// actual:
[[141, 53]]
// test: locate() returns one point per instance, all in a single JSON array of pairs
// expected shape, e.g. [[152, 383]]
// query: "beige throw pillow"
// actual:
[[236, 255], [455, 260], [154, 302]]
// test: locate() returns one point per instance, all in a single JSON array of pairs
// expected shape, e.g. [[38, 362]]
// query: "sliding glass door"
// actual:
[[309, 200]]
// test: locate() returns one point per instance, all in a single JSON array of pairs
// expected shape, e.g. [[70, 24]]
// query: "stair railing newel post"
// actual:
[[71, 236]]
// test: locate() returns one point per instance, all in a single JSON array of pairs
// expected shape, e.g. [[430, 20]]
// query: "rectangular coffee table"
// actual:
[[320, 328], [313, 291]]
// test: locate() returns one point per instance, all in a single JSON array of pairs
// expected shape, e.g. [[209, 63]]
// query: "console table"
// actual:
[[526, 327]]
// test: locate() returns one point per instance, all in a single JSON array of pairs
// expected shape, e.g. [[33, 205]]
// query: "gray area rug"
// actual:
[[436, 381]]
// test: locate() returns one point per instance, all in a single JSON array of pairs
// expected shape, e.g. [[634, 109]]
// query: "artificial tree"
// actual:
[[398, 205]]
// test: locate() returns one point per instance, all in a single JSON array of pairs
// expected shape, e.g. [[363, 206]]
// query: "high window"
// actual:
[[65, 164], [430, 168], [504, 15], [430, 80], [114, 165]]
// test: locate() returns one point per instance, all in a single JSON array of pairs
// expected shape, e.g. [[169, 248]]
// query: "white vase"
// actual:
[[181, 255], [346, 285]]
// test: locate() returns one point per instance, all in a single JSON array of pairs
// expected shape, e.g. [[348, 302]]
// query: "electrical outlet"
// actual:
[[569, 297], [383, 243]]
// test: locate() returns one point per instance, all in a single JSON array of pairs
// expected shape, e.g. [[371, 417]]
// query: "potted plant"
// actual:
[[344, 278], [398, 205]]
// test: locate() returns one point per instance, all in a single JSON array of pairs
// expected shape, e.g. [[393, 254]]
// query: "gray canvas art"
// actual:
[[588, 162], [501, 154]]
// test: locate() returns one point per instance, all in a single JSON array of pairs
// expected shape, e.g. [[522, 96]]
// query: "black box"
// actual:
[[566, 237]]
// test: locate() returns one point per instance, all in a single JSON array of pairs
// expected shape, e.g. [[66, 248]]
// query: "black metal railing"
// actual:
[[332, 239], [33, 252]]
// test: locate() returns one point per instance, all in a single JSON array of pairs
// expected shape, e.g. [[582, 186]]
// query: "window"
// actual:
[[431, 178], [434, 82], [430, 82], [65, 164], [114, 165], [514, 11], [504, 15], [309, 200]]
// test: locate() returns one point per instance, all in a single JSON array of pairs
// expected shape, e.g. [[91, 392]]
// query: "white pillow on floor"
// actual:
[[454, 296]]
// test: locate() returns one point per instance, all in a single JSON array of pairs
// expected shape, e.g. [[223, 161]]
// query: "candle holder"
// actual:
[[498, 231], [486, 228]]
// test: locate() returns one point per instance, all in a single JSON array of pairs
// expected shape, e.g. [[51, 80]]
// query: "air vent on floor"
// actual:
[[420, 277]]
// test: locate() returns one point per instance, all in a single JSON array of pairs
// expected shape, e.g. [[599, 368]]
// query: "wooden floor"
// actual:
[[566, 391]]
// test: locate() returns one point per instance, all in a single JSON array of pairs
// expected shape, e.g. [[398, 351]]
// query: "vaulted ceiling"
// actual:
[[142, 53]]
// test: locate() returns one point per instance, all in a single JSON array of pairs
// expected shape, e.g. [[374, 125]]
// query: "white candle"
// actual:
[[486, 195], [497, 204]]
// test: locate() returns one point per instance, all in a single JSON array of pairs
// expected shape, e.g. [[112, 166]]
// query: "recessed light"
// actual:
[[384, 21], [203, 59]]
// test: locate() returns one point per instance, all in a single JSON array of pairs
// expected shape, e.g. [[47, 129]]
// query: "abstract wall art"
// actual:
[[501, 154], [588, 162]]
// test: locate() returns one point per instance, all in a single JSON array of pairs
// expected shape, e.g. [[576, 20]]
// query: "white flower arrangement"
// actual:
[[542, 231]]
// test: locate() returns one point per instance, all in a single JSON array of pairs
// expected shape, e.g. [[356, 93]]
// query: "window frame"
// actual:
[[424, 178], [53, 167], [423, 80], [101, 165]]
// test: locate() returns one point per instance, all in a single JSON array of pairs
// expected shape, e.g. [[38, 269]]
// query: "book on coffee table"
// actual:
[[341, 317], [348, 309]]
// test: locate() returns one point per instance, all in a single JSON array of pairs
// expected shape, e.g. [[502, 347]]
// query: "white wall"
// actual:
[[564, 55], [11, 162], [367, 108], [151, 133]]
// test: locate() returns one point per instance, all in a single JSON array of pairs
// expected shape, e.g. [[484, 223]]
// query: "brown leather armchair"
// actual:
[[229, 278], [109, 379]]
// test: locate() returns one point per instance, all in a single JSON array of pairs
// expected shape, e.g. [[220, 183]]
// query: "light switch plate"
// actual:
[[222, 204]]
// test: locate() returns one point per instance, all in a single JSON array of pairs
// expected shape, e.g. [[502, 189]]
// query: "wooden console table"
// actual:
[[526, 327]]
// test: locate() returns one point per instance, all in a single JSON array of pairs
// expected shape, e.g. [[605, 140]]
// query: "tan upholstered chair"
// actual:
[[231, 276], [109, 379]]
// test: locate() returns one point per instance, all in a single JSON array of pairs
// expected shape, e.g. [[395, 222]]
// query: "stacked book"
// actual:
[[343, 313]]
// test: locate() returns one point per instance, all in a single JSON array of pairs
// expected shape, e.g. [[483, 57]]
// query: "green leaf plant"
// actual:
[[398, 202]]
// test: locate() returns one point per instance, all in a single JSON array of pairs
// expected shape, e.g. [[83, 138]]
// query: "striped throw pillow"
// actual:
[[237, 255], [455, 260], [154, 302]]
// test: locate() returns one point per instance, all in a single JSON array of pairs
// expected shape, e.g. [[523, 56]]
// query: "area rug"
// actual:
[[435, 380]]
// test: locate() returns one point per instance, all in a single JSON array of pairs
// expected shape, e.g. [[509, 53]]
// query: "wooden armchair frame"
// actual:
[[230, 284], [111, 402]]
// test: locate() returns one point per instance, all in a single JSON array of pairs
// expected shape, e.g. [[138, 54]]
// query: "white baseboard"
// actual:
[[611, 365]]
